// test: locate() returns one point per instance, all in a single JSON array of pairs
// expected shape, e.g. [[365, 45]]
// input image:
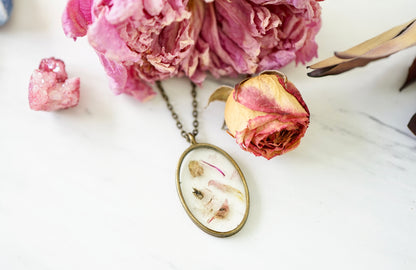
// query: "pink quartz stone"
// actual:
[[50, 89]]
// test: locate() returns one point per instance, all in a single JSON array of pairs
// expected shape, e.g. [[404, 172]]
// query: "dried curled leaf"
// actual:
[[411, 76], [360, 48], [412, 124], [381, 46], [339, 68], [221, 94], [405, 39]]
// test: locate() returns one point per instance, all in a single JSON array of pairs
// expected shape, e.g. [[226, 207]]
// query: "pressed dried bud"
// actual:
[[195, 168], [198, 194]]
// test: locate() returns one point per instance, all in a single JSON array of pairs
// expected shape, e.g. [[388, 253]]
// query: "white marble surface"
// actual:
[[93, 187]]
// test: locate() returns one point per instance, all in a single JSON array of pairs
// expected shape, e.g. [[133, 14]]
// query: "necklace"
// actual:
[[210, 185]]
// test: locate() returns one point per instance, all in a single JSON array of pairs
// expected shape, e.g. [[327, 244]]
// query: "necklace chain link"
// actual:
[[175, 116]]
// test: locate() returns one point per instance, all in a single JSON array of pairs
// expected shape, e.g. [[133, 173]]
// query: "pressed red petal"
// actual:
[[213, 166]]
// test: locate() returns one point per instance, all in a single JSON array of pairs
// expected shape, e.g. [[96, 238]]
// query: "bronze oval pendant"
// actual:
[[212, 189]]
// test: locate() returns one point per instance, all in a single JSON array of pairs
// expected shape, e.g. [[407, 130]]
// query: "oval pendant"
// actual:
[[212, 189]]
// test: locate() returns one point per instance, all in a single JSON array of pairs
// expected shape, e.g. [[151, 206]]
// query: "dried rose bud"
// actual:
[[195, 168], [266, 114], [50, 89]]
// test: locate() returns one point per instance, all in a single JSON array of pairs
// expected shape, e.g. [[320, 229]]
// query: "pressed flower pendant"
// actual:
[[212, 189]]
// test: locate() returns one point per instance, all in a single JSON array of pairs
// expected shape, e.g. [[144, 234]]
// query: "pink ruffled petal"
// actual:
[[270, 94], [124, 81], [276, 60], [252, 36], [153, 7], [159, 39], [76, 18], [106, 40], [121, 11]]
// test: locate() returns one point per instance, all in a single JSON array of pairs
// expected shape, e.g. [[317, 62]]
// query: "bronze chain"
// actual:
[[175, 116]]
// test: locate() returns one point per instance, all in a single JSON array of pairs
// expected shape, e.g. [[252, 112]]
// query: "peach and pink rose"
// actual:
[[266, 114]]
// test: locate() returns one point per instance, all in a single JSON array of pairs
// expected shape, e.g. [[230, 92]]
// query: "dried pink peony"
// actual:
[[139, 41], [50, 89], [142, 41], [246, 37]]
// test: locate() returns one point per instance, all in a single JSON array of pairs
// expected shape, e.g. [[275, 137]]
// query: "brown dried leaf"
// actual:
[[362, 47], [412, 124], [411, 76], [406, 39], [340, 68], [221, 94], [381, 46]]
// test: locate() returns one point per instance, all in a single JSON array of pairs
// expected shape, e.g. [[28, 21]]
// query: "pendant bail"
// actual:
[[191, 138]]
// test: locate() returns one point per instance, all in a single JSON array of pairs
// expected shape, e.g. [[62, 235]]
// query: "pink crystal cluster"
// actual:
[[142, 41], [50, 89]]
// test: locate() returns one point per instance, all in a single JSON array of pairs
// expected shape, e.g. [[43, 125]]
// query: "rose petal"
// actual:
[[123, 80], [237, 116], [250, 36], [121, 11], [277, 60], [76, 18], [105, 39], [153, 7], [265, 93]]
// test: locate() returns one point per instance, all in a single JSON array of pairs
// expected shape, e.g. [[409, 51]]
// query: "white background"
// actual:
[[93, 187]]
